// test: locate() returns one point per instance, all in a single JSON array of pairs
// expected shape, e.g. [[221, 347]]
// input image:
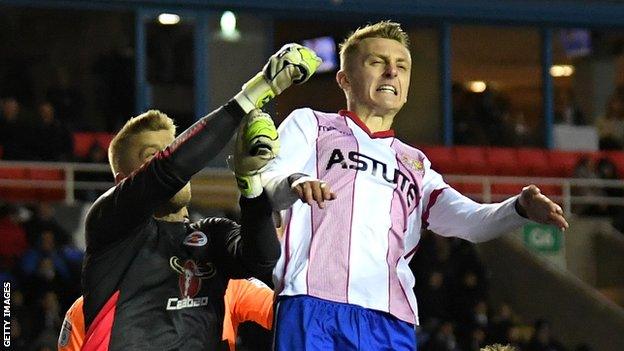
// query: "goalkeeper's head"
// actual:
[[375, 65], [137, 142]]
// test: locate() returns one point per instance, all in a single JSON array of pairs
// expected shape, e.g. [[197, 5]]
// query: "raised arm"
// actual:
[[137, 197]]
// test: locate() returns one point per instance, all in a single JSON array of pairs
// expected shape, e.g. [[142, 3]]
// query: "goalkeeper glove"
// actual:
[[293, 63], [257, 143]]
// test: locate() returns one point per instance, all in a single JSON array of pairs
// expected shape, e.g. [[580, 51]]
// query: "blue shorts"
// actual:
[[307, 323]]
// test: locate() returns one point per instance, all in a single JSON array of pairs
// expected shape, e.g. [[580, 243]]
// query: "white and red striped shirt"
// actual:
[[357, 249]]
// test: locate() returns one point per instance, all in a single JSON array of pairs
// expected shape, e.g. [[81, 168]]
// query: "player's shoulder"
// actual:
[[313, 115], [212, 223], [408, 149]]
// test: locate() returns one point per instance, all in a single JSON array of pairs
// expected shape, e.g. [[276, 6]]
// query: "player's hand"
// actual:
[[292, 64], [257, 143], [539, 208], [313, 191]]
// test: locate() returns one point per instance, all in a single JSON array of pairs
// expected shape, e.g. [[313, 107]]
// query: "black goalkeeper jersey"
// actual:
[[155, 285]]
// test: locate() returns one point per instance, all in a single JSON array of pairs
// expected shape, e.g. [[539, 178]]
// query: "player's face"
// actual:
[[143, 147], [378, 76]]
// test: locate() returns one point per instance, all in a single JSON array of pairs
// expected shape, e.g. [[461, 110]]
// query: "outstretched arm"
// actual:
[[135, 199]]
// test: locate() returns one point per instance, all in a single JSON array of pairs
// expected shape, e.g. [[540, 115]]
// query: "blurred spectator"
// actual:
[[13, 236], [476, 340], [97, 154], [606, 169], [435, 299], [18, 340], [49, 322], [566, 109], [54, 141], [16, 137], [611, 126], [585, 168], [500, 325], [466, 126], [43, 219], [115, 72], [67, 101], [542, 339], [443, 339], [34, 258]]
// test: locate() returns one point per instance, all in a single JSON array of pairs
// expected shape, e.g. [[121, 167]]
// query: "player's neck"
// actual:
[[376, 122], [178, 216]]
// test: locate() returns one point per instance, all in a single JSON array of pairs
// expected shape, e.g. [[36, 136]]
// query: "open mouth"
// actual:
[[388, 88]]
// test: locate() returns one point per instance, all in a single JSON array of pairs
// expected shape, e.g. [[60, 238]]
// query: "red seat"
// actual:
[[15, 192], [535, 163], [471, 160], [503, 161], [47, 193], [104, 139], [507, 189], [82, 143], [563, 162], [442, 159]]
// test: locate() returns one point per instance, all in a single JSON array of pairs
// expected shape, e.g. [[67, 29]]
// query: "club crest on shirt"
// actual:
[[196, 238], [411, 163], [190, 275], [66, 329]]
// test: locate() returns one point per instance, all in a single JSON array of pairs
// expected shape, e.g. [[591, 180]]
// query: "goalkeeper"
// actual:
[[151, 279]]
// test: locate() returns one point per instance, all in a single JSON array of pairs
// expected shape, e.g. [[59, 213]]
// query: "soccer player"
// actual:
[[343, 276], [245, 300], [152, 280]]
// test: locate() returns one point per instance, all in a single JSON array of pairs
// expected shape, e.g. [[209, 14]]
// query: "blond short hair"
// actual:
[[499, 347], [383, 29], [152, 120]]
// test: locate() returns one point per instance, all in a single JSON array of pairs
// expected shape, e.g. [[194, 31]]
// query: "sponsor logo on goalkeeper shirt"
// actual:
[[189, 282], [175, 303]]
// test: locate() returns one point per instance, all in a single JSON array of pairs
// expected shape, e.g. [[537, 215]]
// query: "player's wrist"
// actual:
[[255, 93], [250, 186], [519, 208]]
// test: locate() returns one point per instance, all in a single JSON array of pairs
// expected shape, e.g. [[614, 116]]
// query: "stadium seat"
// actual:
[[45, 193], [104, 139], [82, 143], [503, 161], [442, 158], [535, 163], [471, 160], [15, 193], [563, 162]]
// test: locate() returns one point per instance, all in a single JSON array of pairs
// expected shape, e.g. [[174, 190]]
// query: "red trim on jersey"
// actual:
[[433, 197], [99, 333], [384, 134]]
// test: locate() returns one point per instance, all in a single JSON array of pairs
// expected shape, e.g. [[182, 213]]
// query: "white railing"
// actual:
[[566, 199], [226, 186]]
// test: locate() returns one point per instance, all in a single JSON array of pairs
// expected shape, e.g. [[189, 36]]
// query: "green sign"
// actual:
[[543, 238]]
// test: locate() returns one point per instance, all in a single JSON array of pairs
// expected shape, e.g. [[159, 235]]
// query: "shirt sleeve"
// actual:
[[253, 302], [248, 249], [449, 213], [298, 133], [73, 330], [133, 201]]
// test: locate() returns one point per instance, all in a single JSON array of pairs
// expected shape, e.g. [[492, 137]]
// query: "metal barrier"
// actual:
[[219, 182]]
